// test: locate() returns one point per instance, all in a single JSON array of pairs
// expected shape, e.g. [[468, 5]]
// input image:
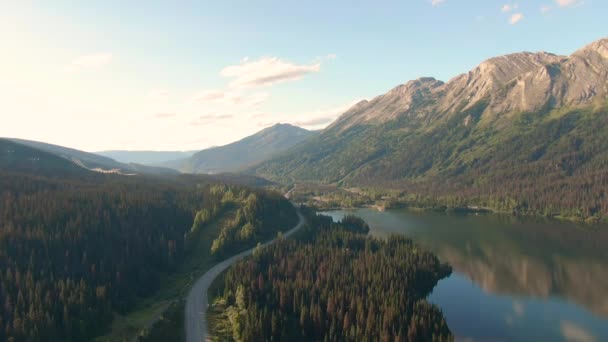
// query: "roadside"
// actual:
[[197, 302], [173, 287]]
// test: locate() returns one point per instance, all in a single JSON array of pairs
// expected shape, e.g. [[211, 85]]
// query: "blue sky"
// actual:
[[188, 75]]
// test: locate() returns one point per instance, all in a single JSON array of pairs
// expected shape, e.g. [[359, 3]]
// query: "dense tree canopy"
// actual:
[[332, 284], [551, 162], [73, 250]]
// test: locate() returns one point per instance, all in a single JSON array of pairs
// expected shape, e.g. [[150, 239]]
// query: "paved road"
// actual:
[[197, 301]]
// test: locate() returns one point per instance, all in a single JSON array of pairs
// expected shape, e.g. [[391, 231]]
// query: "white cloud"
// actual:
[[515, 18], [509, 7], [545, 9], [518, 309], [94, 61], [208, 95], [164, 115], [436, 3], [158, 94], [331, 56], [574, 332], [229, 98], [251, 100], [320, 118], [567, 3], [210, 119], [266, 71]]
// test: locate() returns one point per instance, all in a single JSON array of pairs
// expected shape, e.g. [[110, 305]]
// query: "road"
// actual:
[[198, 301]]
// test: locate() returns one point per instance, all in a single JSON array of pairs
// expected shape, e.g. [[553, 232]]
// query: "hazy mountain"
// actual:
[[246, 152], [20, 158], [520, 125], [92, 161], [154, 158]]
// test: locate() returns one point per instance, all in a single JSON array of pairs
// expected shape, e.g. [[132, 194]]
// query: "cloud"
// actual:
[[509, 7], [208, 119], [94, 61], [515, 18], [320, 118], [158, 94], [265, 72], [164, 115], [252, 100], [545, 9], [208, 95], [315, 121], [567, 3], [436, 3], [573, 332], [230, 97], [331, 56], [257, 115], [518, 309]]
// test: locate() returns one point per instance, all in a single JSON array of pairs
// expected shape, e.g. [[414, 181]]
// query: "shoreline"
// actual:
[[472, 210]]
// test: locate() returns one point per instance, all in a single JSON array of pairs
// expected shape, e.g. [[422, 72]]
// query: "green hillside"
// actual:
[[481, 139]]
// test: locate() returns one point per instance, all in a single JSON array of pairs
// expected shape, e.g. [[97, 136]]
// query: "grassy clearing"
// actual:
[[219, 325], [174, 286]]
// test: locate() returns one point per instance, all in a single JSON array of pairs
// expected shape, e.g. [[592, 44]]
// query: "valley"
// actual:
[[401, 171], [89, 255]]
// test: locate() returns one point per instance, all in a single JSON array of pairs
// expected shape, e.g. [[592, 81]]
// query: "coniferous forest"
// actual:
[[75, 250], [333, 283]]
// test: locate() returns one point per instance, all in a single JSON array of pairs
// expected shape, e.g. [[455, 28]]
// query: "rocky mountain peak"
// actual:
[[513, 83], [426, 83], [505, 68], [599, 47]]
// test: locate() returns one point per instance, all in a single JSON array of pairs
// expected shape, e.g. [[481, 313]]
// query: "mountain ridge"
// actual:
[[91, 161], [507, 80], [144, 157], [523, 118], [243, 153]]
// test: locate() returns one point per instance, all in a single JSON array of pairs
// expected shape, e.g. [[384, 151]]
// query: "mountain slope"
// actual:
[[153, 158], [246, 152], [19, 158], [92, 161], [524, 132]]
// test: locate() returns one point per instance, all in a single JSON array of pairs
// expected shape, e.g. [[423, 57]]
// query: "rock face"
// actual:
[[407, 99], [520, 82]]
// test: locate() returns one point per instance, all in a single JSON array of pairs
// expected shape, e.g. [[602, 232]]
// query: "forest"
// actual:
[[332, 283], [551, 163], [75, 250]]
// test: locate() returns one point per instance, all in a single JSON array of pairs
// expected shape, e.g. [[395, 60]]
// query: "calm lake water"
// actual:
[[514, 279]]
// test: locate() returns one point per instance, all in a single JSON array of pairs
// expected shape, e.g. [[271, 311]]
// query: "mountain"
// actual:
[[154, 158], [20, 158], [246, 152], [523, 132], [92, 161]]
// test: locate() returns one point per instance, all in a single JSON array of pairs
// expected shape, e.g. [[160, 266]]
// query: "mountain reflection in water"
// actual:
[[511, 264]]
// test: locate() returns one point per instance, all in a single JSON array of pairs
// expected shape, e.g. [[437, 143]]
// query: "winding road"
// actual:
[[198, 301]]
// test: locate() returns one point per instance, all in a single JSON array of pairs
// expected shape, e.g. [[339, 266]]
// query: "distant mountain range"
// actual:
[[21, 158], [41, 155], [230, 158], [244, 153], [152, 158], [531, 128]]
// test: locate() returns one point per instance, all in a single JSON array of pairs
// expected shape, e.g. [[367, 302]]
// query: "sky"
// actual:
[[187, 75]]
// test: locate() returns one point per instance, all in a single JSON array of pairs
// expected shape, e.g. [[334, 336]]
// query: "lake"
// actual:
[[514, 279]]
